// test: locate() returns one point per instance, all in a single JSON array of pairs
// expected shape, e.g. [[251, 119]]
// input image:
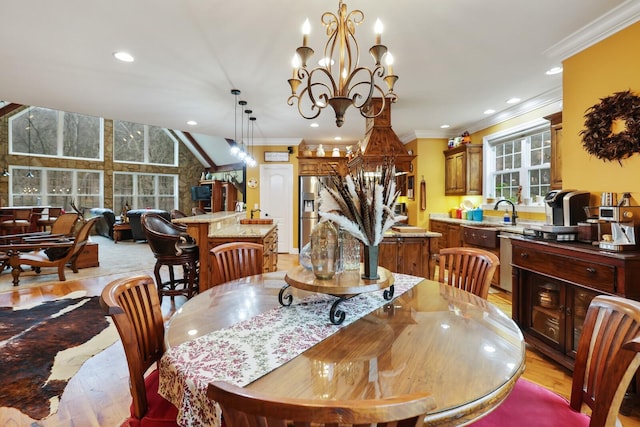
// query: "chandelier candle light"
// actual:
[[340, 81], [363, 205]]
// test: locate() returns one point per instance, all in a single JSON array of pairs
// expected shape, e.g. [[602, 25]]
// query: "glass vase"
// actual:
[[349, 251], [324, 250], [305, 256]]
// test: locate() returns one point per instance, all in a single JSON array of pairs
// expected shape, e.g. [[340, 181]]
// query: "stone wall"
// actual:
[[189, 169]]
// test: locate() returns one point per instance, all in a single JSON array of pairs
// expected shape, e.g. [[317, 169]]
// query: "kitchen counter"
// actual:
[[392, 233], [242, 230], [489, 222]]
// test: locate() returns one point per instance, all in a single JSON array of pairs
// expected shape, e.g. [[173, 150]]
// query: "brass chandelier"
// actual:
[[339, 80]]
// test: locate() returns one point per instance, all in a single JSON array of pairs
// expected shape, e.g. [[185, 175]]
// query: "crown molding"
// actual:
[[608, 24]]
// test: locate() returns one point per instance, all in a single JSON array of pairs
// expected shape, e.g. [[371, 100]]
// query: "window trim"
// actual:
[[147, 146], [133, 203], [491, 140], [13, 170], [59, 136]]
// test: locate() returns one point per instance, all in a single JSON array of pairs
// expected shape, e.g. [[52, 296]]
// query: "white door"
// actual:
[[276, 201]]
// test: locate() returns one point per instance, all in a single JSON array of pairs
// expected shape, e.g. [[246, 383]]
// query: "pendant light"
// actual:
[[234, 150]]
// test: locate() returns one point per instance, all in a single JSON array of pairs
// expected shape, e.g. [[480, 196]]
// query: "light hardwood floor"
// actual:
[[99, 396]]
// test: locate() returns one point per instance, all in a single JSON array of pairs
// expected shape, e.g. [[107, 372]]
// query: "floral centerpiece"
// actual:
[[363, 205]]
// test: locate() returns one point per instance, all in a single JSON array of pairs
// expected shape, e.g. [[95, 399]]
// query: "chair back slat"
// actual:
[[234, 260], [134, 306], [470, 269], [64, 224], [607, 357]]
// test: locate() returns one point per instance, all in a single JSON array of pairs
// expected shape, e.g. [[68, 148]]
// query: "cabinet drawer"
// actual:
[[481, 237], [586, 273]]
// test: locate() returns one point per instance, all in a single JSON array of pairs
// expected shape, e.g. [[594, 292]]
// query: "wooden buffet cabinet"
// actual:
[[463, 170], [553, 284]]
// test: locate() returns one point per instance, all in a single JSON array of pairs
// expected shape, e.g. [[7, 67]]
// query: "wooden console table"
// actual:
[[120, 229]]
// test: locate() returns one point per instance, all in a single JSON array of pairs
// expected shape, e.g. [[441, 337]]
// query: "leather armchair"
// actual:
[[104, 226], [134, 216]]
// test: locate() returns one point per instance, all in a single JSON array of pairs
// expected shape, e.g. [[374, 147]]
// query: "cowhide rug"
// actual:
[[42, 347]]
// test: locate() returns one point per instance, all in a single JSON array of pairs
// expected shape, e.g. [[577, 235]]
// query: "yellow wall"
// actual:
[[599, 71]]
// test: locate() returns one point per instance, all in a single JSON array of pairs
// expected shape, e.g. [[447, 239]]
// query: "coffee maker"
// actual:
[[565, 208], [625, 224]]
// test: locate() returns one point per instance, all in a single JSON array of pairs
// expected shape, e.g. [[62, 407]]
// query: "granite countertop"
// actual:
[[428, 234], [494, 222], [210, 217], [243, 230]]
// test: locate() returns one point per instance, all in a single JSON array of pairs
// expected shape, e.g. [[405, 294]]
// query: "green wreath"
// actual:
[[598, 138]]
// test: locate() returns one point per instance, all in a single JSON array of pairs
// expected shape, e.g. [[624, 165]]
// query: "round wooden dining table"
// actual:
[[430, 338]]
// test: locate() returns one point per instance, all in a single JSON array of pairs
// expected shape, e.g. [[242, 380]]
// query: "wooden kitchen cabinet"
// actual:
[[463, 170], [451, 234], [553, 284], [485, 238], [556, 150], [407, 255]]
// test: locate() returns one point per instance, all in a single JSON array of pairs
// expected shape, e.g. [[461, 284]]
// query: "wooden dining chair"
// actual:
[[242, 407], [134, 306], [235, 260], [470, 269], [47, 221], [20, 222], [606, 361]]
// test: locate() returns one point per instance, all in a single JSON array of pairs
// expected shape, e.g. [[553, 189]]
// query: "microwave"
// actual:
[[400, 209]]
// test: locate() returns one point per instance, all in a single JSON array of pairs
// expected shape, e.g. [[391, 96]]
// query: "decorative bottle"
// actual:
[[324, 250], [320, 151]]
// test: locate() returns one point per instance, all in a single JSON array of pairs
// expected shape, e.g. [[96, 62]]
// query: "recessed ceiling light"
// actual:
[[192, 123], [445, 126], [513, 100], [314, 125], [489, 111], [123, 56], [554, 70], [338, 138]]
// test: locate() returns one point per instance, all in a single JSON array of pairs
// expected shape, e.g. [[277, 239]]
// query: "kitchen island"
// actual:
[[214, 229], [409, 252]]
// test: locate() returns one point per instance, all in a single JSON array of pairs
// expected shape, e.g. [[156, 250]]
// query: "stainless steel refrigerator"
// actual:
[[309, 206]]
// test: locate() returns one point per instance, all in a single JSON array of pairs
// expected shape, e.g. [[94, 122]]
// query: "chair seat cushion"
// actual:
[[532, 405], [161, 412]]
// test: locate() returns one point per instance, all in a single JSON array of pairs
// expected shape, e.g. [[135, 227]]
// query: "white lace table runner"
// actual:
[[250, 349]]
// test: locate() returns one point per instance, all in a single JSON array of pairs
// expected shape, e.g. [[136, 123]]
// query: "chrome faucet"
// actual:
[[514, 215], [253, 211]]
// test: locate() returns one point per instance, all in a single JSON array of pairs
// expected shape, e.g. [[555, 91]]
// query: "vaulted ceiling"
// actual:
[[454, 58]]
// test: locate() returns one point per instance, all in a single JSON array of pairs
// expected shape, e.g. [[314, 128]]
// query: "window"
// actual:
[[136, 143], [519, 160], [56, 187], [51, 133], [139, 190]]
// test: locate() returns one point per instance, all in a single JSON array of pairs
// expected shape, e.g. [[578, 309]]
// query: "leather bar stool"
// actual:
[[172, 246]]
